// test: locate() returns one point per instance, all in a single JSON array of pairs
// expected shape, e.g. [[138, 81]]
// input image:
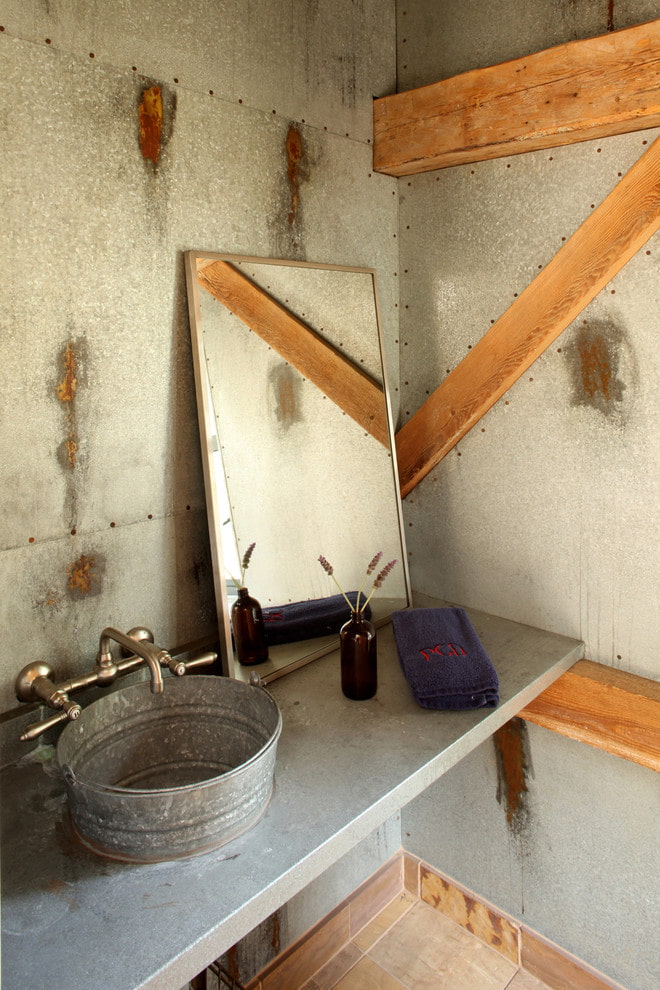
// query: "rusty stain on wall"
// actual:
[[50, 600], [610, 15], [85, 576], [285, 383], [150, 116], [596, 357], [66, 393], [275, 940], [66, 388], [294, 154], [513, 765]]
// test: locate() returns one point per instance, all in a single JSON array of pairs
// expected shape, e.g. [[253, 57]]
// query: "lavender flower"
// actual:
[[373, 564], [380, 577], [327, 567], [246, 557], [244, 566]]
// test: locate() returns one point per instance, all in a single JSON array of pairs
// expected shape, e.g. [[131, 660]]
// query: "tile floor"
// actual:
[[411, 946]]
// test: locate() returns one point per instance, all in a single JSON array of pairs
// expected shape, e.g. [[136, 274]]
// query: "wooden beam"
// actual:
[[605, 707], [603, 244], [342, 381], [574, 92]]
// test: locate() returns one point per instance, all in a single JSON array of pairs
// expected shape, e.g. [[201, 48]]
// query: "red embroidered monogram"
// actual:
[[452, 651]]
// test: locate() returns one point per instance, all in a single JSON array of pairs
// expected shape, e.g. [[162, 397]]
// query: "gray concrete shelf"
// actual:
[[72, 919]]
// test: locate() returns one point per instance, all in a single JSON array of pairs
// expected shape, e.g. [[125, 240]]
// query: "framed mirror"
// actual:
[[297, 442]]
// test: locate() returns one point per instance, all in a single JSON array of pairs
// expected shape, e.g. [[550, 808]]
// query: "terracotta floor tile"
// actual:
[[426, 951], [367, 975], [384, 920]]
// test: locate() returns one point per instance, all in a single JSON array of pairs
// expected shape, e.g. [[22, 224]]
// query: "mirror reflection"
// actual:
[[297, 445]]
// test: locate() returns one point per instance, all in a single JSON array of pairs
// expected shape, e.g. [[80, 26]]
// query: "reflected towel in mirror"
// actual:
[[310, 619], [443, 659]]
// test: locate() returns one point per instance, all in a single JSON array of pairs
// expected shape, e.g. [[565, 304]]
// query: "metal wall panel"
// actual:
[[102, 494]]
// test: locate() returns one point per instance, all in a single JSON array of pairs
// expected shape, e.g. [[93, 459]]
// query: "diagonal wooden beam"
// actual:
[[342, 381], [573, 92], [600, 247], [608, 708]]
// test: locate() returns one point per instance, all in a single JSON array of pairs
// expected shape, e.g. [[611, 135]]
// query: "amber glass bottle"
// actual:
[[357, 647], [247, 624]]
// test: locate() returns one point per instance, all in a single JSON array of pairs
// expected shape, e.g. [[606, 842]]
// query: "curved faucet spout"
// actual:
[[149, 652]]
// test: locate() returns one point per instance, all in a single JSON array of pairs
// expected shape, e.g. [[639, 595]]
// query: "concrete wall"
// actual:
[[103, 507], [547, 512]]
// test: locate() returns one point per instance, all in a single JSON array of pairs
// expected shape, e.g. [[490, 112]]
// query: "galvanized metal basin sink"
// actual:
[[153, 777]]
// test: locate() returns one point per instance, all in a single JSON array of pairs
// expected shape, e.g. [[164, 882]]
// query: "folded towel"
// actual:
[[443, 660], [307, 620]]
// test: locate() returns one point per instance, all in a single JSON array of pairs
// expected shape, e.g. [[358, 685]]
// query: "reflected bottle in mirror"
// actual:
[[248, 627], [357, 648]]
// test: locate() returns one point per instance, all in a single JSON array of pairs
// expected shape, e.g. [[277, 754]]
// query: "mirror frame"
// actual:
[[206, 414]]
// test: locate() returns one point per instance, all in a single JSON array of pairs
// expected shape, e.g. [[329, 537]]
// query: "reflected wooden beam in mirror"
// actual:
[[354, 391]]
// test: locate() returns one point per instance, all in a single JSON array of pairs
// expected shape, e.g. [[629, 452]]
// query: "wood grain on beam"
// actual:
[[605, 707], [574, 92], [337, 377], [609, 237]]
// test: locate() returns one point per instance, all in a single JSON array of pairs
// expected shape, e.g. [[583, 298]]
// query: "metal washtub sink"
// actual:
[[153, 777]]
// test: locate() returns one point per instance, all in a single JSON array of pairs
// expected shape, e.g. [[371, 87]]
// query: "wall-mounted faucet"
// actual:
[[142, 646], [35, 681]]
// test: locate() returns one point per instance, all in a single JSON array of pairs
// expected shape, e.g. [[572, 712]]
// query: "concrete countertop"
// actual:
[[70, 918]]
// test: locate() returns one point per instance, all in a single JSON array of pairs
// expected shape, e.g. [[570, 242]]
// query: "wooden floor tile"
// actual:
[[426, 951], [375, 894], [525, 981], [334, 970], [302, 961], [387, 917], [367, 975]]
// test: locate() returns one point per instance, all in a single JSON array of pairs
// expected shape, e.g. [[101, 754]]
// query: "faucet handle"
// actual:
[[37, 728], [179, 667]]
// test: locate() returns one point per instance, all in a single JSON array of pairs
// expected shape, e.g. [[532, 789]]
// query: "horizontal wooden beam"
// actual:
[[605, 707], [574, 92], [600, 247], [343, 382]]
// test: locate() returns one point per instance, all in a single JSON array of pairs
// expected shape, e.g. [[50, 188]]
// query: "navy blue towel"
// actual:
[[443, 660], [307, 620]]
